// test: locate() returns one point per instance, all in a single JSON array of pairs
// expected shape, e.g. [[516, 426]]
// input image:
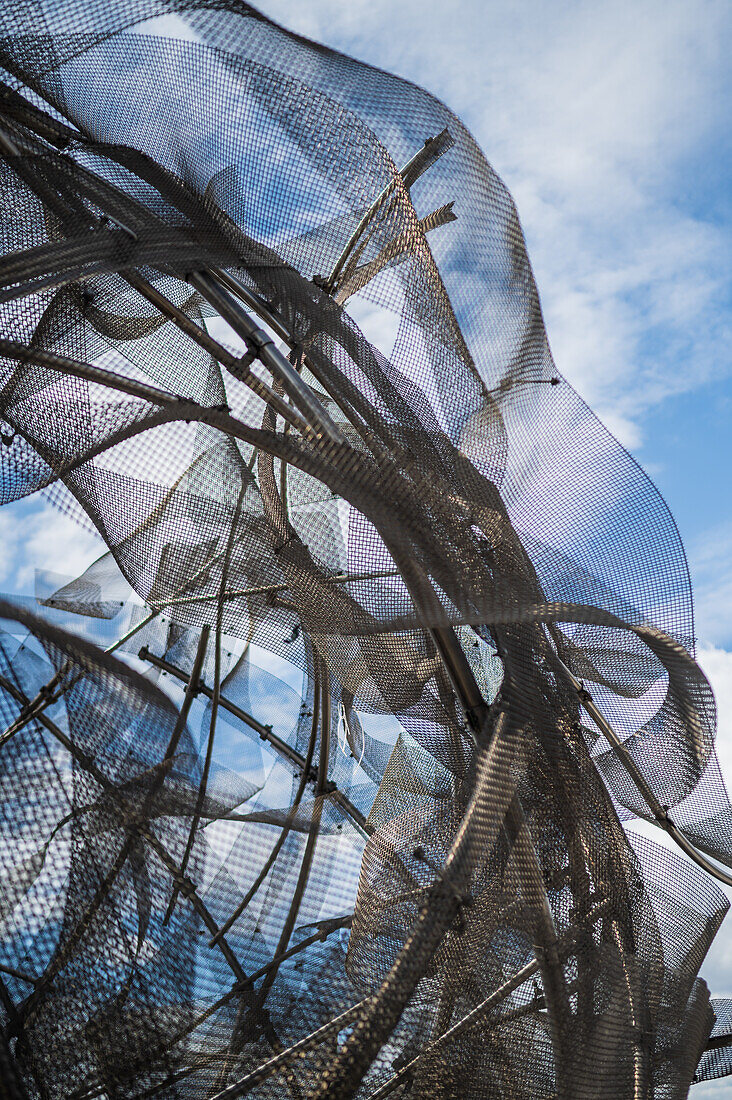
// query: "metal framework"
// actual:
[[418, 883]]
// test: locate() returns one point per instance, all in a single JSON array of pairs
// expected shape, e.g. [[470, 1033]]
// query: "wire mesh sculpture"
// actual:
[[303, 790]]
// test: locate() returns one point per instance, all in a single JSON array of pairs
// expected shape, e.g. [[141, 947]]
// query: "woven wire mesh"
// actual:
[[333, 817]]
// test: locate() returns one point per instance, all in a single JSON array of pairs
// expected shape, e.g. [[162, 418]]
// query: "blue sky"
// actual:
[[608, 121]]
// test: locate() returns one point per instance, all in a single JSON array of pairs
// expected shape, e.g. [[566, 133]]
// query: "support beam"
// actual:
[[660, 813], [265, 734], [477, 1014], [184, 884]]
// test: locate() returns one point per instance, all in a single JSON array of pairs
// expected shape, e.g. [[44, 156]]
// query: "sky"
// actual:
[[608, 121]]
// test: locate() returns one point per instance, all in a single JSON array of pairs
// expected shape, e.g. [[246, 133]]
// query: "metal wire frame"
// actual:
[[455, 663], [422, 946], [423, 159], [265, 733], [456, 677], [327, 929], [660, 813], [184, 883], [477, 1015], [243, 983], [240, 322]]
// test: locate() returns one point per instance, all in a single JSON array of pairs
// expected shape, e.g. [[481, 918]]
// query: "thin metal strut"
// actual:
[[660, 813], [423, 159], [265, 733]]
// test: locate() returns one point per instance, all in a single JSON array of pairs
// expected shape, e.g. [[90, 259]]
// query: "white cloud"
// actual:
[[711, 1090], [710, 562], [717, 665], [35, 535]]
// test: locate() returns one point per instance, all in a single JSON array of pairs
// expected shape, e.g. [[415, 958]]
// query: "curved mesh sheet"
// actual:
[[316, 782]]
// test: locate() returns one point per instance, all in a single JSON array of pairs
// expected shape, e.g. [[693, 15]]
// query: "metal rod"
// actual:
[[195, 675], [258, 342], [286, 828], [190, 890], [262, 589], [659, 812], [5, 969], [62, 363], [313, 830], [61, 956], [267, 314], [264, 347], [433, 148], [284, 1057], [476, 1014], [265, 733]]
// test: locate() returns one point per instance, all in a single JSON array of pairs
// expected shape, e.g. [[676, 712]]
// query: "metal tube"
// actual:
[[194, 677], [476, 1014], [660, 813], [284, 833], [262, 589], [422, 159], [13, 350], [264, 347], [313, 830], [261, 1073], [266, 734], [61, 957]]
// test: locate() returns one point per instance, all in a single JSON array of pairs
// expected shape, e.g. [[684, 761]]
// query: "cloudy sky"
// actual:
[[608, 121]]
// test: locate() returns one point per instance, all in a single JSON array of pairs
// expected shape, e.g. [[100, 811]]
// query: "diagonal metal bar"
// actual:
[[265, 733], [660, 813], [477, 1014], [189, 889], [285, 1057], [12, 349], [265, 349], [19, 974], [396, 251], [286, 828], [263, 589], [99, 375], [185, 884], [314, 829], [195, 675], [423, 159], [64, 952]]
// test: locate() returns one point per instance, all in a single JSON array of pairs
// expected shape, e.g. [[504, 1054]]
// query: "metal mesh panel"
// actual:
[[335, 812]]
